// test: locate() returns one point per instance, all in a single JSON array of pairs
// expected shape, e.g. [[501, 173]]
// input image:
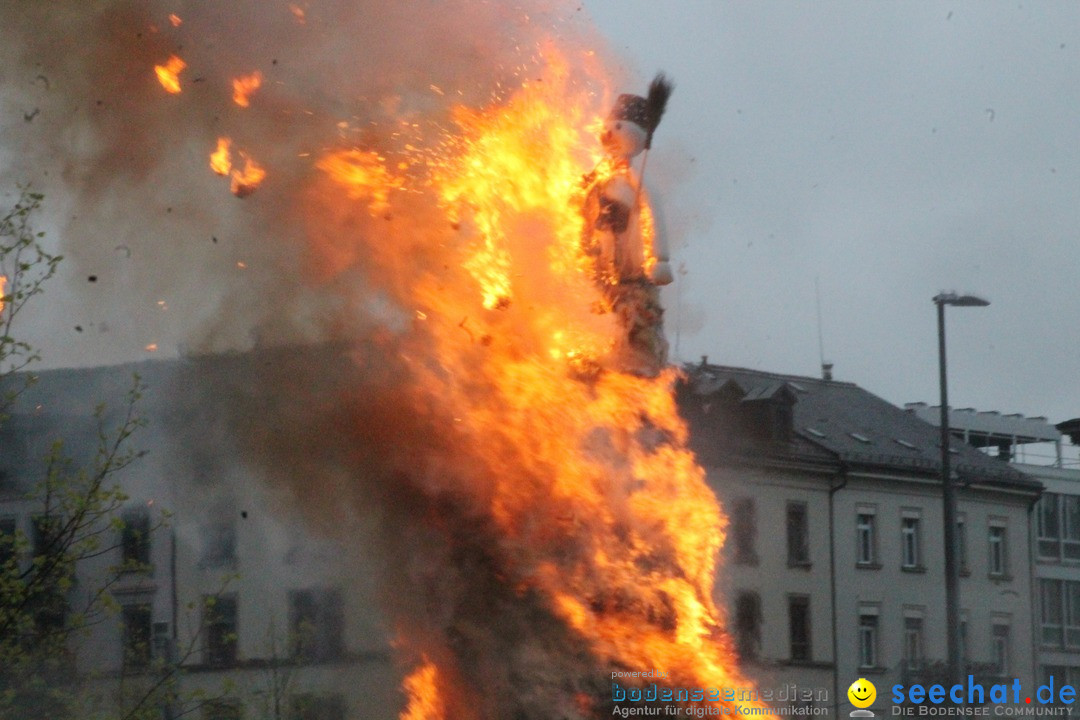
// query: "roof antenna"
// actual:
[[826, 367]]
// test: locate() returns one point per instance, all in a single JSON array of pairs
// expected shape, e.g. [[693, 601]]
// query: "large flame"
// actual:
[[601, 507], [577, 476], [422, 690]]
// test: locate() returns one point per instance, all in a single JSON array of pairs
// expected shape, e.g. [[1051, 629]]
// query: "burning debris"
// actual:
[[243, 181], [169, 74], [246, 180], [244, 86], [541, 520], [220, 159]]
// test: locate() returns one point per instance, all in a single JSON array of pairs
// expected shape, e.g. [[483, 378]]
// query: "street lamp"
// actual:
[[948, 490]]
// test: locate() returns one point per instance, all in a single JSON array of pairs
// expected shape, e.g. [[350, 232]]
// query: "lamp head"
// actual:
[[956, 300]]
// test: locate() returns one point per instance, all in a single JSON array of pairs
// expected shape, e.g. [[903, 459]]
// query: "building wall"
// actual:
[[893, 593], [897, 593], [768, 574], [274, 553], [1055, 657]]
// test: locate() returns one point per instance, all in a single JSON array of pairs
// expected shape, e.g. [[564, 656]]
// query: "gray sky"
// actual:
[[890, 150]]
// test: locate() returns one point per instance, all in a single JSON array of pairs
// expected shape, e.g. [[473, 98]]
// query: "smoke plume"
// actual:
[[538, 520]]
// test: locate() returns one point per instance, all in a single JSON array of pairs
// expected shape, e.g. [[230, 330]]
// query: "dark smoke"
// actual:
[[338, 424], [124, 167]]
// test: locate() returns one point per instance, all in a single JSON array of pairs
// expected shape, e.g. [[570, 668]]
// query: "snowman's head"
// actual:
[[623, 136]]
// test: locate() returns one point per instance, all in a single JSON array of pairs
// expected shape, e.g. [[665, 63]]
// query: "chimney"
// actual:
[[826, 371]]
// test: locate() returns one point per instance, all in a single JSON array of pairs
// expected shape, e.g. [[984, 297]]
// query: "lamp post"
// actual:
[[948, 490]]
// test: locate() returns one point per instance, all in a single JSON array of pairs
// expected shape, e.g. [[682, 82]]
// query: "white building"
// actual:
[[1039, 449], [834, 567], [266, 619]]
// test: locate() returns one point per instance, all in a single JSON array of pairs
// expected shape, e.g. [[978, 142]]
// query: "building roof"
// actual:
[[833, 425], [855, 427], [194, 402]]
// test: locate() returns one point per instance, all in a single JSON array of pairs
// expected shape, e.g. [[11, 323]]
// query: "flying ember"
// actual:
[[246, 180], [169, 73], [244, 86], [220, 161]]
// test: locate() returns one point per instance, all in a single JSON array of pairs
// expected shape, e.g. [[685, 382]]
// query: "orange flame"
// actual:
[[3, 289], [364, 175], [169, 73], [572, 456], [244, 86], [175, 20], [422, 689], [246, 181], [220, 161]]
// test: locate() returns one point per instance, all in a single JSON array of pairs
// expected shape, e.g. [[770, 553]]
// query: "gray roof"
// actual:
[[836, 424], [855, 427], [197, 410]]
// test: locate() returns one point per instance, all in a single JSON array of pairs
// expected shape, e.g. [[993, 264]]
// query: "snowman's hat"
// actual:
[[631, 108], [645, 112]]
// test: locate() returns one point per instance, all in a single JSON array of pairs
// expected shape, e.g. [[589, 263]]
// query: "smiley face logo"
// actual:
[[862, 693]]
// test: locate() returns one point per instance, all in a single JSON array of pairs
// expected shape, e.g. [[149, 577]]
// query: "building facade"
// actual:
[[834, 564], [1043, 452], [246, 608], [832, 567]]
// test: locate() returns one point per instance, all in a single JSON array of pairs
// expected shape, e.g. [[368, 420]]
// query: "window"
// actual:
[[1001, 649], [799, 624], [998, 555], [1059, 605], [1071, 605], [317, 707], [798, 534], [1070, 526], [45, 529], [1048, 528], [909, 542], [50, 602], [1058, 527], [1052, 612], [913, 642], [866, 539], [222, 710], [163, 646], [748, 625], [135, 622], [316, 623], [961, 543], [868, 638], [135, 539], [219, 624], [744, 531], [219, 543]]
